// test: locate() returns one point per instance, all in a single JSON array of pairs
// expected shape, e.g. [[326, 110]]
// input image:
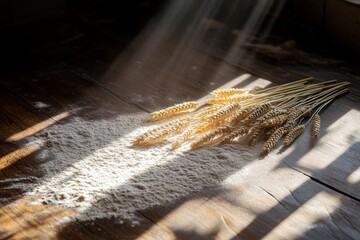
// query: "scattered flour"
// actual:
[[92, 166], [41, 105]]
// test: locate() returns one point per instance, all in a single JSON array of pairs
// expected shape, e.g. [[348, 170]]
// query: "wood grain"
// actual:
[[304, 193]]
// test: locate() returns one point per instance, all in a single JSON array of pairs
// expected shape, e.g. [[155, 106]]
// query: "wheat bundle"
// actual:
[[275, 113]]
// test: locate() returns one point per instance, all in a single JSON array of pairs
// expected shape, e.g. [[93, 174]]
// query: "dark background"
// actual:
[[334, 23]]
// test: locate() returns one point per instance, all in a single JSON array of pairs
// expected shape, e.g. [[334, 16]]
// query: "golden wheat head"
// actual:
[[260, 110], [240, 115], [227, 92], [254, 134], [230, 99], [173, 111], [275, 121], [223, 112], [315, 133], [157, 134], [209, 137], [273, 140], [293, 134], [237, 133], [272, 113]]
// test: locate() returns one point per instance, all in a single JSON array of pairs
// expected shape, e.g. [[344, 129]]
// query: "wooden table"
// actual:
[[305, 193]]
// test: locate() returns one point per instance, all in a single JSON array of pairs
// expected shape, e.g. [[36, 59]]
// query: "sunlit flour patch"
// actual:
[[92, 166]]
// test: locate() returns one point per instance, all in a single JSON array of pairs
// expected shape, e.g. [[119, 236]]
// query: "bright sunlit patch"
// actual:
[[16, 155], [306, 217], [243, 77], [37, 127], [354, 177]]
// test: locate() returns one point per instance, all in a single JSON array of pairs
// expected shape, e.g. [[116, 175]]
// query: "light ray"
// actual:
[[16, 155], [36, 128]]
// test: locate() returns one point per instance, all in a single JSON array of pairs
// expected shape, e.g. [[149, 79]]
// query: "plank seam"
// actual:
[[325, 184]]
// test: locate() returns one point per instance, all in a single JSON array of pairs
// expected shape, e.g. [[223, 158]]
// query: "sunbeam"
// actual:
[[37, 127], [16, 155], [170, 38]]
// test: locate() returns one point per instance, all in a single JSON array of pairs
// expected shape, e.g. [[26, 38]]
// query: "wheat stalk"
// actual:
[[273, 140], [315, 133], [203, 113], [293, 134], [237, 133], [255, 89], [272, 113], [230, 99], [240, 115], [269, 132], [207, 138], [275, 121], [157, 134], [254, 134], [174, 110], [223, 112], [227, 92], [260, 110]]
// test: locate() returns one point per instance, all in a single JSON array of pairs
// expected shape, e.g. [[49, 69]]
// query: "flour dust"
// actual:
[[91, 165]]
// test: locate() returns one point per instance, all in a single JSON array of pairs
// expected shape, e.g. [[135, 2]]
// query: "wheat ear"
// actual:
[[223, 112], [240, 115], [315, 133], [204, 113], [275, 121], [254, 134], [227, 92], [296, 113], [273, 140], [270, 131], [183, 138], [207, 138], [293, 134], [157, 134], [231, 99], [235, 134], [174, 110], [188, 134], [260, 110], [272, 113]]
